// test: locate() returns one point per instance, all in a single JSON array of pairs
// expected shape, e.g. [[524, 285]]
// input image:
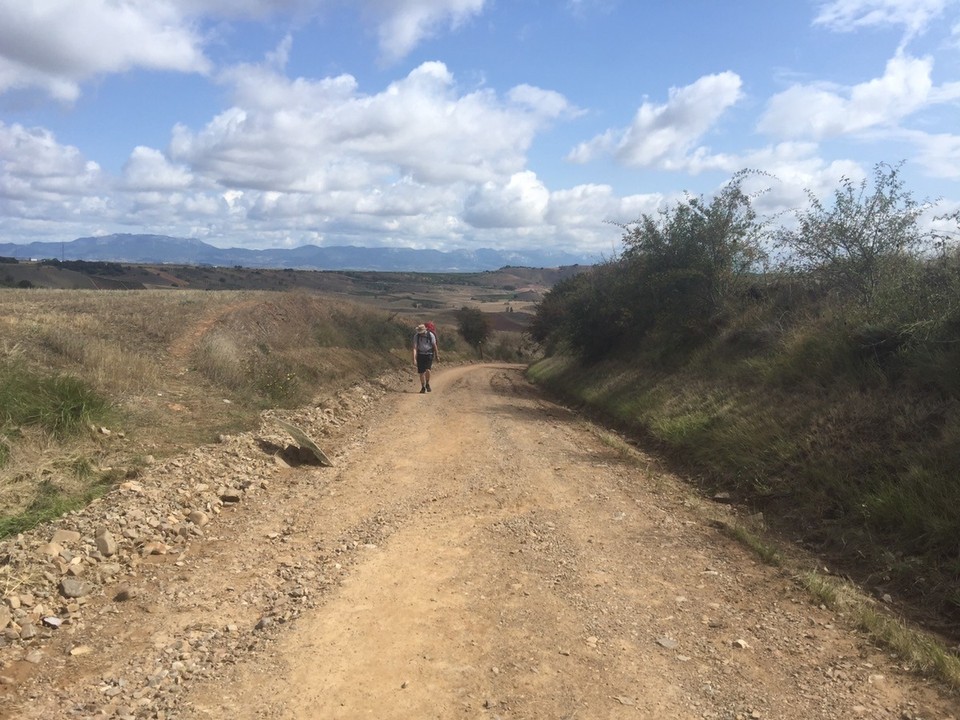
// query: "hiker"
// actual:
[[425, 351]]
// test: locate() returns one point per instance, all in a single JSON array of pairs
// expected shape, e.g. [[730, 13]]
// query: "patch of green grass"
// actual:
[[50, 502], [685, 428], [920, 651], [746, 537], [61, 405]]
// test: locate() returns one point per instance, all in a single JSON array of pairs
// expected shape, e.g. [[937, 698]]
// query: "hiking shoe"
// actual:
[[423, 390], [428, 387]]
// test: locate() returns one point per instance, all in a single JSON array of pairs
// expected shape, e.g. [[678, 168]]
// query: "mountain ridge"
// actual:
[[164, 249]]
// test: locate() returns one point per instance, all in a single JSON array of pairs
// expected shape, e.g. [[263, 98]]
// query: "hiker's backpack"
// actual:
[[432, 328], [425, 342]]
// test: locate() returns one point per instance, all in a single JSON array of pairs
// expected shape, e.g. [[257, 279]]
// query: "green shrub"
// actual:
[[862, 245], [679, 276], [473, 325]]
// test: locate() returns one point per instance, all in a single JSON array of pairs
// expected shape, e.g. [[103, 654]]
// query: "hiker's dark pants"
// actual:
[[424, 362]]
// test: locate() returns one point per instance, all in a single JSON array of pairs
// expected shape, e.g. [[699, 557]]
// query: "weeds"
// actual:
[[920, 651], [763, 550], [158, 364], [218, 357], [50, 502], [61, 405], [825, 391]]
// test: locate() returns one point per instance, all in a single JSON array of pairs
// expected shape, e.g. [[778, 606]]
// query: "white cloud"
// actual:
[[520, 202], [148, 169], [822, 111], [321, 136], [47, 189], [915, 16], [58, 44], [585, 206], [937, 153], [403, 24], [420, 163], [548, 103], [33, 165], [664, 135]]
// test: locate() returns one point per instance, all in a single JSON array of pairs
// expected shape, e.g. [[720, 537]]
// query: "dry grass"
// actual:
[[919, 651], [164, 361]]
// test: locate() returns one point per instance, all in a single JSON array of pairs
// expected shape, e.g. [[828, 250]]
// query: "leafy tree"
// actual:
[[679, 271], [473, 326], [859, 244], [690, 261]]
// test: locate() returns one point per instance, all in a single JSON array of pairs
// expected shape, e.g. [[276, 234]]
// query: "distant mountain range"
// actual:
[[162, 249]]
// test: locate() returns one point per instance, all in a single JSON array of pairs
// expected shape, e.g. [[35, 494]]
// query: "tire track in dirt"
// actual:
[[186, 342]]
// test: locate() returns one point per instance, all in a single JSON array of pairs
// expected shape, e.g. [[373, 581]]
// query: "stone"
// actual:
[[740, 644], [51, 549], [668, 643], [28, 631], [5, 617], [124, 594], [155, 547], [65, 537], [108, 570], [80, 650], [74, 588], [263, 623], [106, 544], [198, 518]]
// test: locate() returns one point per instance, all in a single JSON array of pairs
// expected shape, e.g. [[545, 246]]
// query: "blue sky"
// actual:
[[456, 124]]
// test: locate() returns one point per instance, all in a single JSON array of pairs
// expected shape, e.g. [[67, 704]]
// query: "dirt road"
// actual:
[[477, 552]]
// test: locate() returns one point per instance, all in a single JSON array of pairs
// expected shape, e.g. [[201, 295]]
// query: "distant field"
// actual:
[[509, 294]]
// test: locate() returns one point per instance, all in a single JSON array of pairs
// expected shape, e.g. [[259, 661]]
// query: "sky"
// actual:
[[457, 124]]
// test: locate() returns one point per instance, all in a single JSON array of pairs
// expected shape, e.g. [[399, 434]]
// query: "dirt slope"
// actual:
[[476, 552]]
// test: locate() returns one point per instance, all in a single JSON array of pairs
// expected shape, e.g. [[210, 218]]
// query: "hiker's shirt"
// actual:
[[425, 342]]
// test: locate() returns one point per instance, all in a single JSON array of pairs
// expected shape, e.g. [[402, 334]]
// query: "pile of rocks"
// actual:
[[50, 574]]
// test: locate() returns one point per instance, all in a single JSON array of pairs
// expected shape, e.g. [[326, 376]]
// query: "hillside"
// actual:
[[524, 283]]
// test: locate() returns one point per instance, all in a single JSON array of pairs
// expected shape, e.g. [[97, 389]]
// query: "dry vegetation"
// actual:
[[95, 384]]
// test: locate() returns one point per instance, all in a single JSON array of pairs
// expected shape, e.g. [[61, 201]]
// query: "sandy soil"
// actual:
[[476, 552]]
